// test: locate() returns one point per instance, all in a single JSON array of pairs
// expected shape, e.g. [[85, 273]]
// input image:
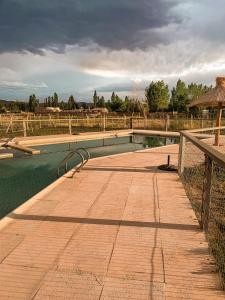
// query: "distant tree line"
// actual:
[[158, 98]]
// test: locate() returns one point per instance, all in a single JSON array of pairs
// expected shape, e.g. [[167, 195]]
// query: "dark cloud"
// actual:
[[30, 25]]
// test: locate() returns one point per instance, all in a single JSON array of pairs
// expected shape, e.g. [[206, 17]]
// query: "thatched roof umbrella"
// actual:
[[214, 98]]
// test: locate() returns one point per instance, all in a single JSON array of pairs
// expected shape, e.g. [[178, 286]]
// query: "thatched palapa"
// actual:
[[214, 98]]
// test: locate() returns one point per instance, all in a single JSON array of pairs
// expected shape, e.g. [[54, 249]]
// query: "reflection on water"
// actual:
[[155, 141]]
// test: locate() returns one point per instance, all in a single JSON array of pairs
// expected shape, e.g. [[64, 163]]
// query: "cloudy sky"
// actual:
[[76, 46]]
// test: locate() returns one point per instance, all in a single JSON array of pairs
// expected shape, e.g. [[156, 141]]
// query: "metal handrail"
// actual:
[[69, 156], [88, 154]]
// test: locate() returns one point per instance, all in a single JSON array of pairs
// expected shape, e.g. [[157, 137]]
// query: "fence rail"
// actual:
[[14, 126], [202, 170]]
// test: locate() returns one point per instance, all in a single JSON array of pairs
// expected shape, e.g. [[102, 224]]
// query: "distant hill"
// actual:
[[6, 102]]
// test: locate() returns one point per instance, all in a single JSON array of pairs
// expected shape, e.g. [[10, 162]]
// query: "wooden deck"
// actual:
[[120, 229]]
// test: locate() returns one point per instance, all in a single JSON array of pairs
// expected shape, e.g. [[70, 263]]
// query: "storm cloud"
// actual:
[[77, 46], [27, 25]]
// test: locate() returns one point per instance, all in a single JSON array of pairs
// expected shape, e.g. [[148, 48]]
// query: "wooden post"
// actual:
[[206, 195], [131, 122], [70, 127], [167, 122], [191, 121], [218, 124], [24, 128], [181, 154], [145, 122], [125, 122], [202, 123], [104, 122]]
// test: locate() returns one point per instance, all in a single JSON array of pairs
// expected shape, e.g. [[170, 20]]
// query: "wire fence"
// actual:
[[202, 169], [13, 126]]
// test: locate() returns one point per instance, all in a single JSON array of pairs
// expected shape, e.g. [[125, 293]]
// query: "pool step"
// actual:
[[6, 155], [22, 148]]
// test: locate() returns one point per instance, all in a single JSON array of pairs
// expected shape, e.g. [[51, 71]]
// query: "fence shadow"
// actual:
[[105, 222]]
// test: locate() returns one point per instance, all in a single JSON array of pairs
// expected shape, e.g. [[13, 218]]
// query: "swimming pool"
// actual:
[[25, 175]]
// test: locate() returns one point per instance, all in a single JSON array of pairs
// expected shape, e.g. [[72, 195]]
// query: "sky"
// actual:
[[77, 46]]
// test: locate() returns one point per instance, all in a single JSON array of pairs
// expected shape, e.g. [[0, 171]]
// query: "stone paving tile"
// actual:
[[137, 263], [73, 193], [19, 282], [7, 243], [97, 232], [69, 285], [86, 256], [36, 251], [22, 227], [191, 293], [140, 236], [56, 228], [24, 224], [115, 288], [72, 209]]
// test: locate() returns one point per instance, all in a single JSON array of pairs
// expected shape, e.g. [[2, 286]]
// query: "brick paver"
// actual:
[[120, 229]]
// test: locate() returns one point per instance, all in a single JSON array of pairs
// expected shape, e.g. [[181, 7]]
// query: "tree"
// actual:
[[63, 105], [95, 99], [179, 99], [157, 95], [100, 102], [194, 91], [113, 97], [49, 101], [2, 108], [14, 107], [116, 103], [55, 100], [71, 103], [33, 103]]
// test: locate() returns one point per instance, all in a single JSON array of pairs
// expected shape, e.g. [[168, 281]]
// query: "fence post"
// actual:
[[206, 195], [131, 122], [202, 123], [167, 121], [181, 154], [70, 127], [145, 122], [24, 128], [104, 122]]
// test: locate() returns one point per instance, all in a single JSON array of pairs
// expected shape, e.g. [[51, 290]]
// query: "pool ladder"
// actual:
[[79, 152]]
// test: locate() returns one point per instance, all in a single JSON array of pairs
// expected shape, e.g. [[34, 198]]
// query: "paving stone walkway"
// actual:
[[120, 229]]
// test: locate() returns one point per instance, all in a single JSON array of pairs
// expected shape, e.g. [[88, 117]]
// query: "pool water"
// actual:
[[25, 175]]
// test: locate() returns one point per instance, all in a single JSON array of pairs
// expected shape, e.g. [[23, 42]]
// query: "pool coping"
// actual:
[[60, 139]]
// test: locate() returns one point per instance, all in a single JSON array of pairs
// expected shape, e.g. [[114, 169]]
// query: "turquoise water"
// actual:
[[25, 175]]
